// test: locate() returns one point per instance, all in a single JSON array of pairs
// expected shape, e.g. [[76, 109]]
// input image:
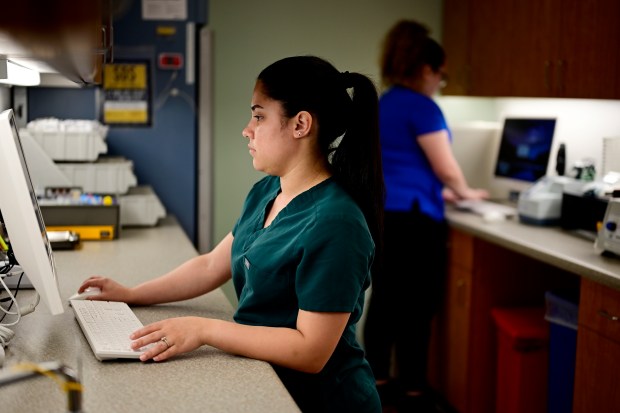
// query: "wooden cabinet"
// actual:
[[533, 48], [482, 275], [597, 372]]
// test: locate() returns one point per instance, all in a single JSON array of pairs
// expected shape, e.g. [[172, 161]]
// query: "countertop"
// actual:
[[205, 380], [551, 245]]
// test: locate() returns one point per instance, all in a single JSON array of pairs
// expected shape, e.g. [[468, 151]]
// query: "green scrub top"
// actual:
[[314, 256]]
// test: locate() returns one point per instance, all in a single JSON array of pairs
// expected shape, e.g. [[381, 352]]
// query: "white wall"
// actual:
[[581, 123]]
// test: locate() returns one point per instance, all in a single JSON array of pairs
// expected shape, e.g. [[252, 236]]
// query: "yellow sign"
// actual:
[[126, 94], [124, 76]]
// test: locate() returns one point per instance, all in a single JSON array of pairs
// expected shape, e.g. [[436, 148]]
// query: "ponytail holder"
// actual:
[[346, 80]]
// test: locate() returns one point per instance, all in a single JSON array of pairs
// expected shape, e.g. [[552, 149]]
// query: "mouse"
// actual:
[[493, 216], [86, 293]]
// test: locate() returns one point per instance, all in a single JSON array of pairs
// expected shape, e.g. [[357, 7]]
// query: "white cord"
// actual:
[[18, 310]]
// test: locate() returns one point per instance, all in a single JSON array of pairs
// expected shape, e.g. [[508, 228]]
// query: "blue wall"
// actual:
[[164, 154]]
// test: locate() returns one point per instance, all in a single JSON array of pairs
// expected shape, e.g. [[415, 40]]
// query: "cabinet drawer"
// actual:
[[461, 249], [599, 309]]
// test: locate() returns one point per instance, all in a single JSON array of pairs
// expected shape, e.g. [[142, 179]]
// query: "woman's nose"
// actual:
[[246, 132]]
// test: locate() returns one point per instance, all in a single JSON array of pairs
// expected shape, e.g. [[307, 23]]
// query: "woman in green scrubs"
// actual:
[[300, 255]]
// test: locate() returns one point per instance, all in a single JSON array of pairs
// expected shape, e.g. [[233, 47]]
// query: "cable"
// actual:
[[165, 92], [14, 300], [169, 91], [65, 377]]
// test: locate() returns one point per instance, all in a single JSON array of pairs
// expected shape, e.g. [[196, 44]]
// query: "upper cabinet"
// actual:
[[73, 38], [533, 48]]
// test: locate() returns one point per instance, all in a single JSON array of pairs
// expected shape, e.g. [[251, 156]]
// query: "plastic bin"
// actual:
[[109, 175], [562, 312], [73, 140], [140, 206], [522, 360]]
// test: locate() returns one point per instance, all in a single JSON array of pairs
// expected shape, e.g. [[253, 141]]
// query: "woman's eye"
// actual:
[[258, 117]]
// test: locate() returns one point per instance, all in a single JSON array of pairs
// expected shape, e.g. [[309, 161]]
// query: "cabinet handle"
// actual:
[[460, 292], [560, 76], [548, 75], [608, 316]]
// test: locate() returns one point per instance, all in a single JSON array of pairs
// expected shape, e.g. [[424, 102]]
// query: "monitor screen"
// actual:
[[524, 149], [22, 217]]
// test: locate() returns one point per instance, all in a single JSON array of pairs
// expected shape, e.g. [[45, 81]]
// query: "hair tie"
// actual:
[[346, 80]]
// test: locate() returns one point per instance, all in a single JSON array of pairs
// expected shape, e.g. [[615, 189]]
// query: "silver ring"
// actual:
[[165, 341]]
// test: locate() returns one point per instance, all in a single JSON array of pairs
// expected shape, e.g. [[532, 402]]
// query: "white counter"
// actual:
[[205, 380]]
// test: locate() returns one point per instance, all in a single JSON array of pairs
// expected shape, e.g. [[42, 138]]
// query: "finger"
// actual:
[[155, 351], [147, 329], [91, 282], [145, 340], [166, 354]]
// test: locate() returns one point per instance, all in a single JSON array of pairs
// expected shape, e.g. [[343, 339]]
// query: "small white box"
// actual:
[[108, 175], [140, 207]]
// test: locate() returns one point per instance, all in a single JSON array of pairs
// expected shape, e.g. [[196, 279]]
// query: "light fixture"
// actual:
[[12, 73]]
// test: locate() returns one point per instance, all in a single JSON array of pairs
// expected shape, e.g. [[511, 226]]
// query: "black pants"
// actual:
[[405, 297]]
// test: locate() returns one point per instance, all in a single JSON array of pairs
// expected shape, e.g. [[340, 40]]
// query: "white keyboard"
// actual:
[[107, 326], [482, 207]]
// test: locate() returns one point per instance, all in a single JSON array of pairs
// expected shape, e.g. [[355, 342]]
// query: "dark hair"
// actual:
[[309, 83], [407, 47]]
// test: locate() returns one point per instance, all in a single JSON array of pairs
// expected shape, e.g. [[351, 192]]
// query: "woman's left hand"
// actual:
[[169, 337]]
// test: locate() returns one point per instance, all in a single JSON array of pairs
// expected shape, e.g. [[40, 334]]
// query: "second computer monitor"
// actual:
[[524, 150]]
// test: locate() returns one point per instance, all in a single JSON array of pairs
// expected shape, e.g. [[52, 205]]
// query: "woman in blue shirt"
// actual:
[[301, 253], [419, 171]]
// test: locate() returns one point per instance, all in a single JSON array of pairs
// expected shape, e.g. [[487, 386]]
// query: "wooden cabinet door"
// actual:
[[589, 49], [532, 42], [490, 52], [450, 351], [597, 374], [457, 316], [533, 48], [456, 44]]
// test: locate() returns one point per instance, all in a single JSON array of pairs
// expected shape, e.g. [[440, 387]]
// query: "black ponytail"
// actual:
[[356, 161]]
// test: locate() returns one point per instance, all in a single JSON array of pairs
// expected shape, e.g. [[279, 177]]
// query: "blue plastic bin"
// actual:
[[562, 313]]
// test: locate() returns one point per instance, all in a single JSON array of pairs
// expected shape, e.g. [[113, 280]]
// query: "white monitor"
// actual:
[[523, 154], [22, 217]]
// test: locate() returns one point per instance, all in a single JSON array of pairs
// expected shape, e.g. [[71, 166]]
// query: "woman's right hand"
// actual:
[[110, 289], [474, 193]]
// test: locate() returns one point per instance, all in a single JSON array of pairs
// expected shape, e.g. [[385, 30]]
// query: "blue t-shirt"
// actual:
[[404, 115], [315, 256]]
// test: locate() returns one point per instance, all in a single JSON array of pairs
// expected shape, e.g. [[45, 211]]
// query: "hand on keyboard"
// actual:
[[107, 326], [483, 207]]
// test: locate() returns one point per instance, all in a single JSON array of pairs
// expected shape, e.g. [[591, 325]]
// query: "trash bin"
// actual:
[[562, 313], [522, 360]]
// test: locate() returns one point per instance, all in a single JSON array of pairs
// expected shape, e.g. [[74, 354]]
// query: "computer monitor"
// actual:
[[22, 217], [523, 154]]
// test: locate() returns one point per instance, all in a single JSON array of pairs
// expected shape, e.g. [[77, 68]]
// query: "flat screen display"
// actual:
[[525, 148]]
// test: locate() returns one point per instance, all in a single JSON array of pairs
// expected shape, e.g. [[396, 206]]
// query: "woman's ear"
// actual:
[[427, 71], [303, 124]]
